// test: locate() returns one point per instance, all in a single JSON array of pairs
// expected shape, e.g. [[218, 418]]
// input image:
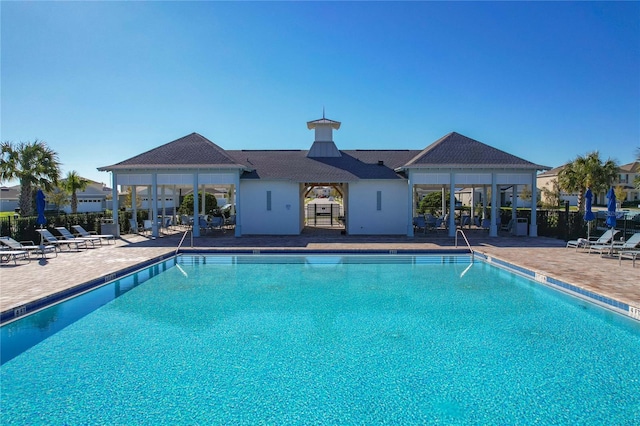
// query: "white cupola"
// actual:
[[323, 145]]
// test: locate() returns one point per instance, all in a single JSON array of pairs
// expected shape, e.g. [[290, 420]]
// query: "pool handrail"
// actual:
[[183, 237], [466, 240]]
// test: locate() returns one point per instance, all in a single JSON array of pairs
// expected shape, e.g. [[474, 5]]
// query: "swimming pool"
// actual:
[[324, 339]]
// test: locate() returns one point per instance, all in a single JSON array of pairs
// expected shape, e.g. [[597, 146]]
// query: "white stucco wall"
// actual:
[[364, 216], [284, 216]]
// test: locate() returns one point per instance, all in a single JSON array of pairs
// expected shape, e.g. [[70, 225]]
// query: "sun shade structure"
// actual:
[[378, 187]]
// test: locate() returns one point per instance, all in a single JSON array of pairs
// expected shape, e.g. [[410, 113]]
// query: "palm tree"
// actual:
[[34, 165], [73, 183], [587, 172]]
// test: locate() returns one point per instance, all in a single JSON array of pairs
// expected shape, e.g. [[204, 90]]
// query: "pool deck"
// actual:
[[41, 278]]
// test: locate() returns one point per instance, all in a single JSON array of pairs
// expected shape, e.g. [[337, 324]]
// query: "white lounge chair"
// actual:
[[628, 254], [30, 248], [133, 224], [84, 233], [67, 235], [586, 243], [51, 239], [7, 256], [616, 246]]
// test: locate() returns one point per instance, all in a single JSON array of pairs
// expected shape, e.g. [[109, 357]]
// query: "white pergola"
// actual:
[[442, 178]]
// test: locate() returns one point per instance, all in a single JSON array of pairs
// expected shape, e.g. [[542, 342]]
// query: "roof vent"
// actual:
[[380, 163]]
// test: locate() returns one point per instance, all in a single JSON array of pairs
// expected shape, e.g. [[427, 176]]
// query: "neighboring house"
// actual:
[[626, 176], [93, 199], [378, 188], [9, 198]]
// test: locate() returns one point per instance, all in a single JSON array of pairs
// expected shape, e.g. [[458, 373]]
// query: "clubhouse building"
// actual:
[[380, 189]]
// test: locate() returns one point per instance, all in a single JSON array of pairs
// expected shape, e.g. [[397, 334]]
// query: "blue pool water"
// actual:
[[323, 340]]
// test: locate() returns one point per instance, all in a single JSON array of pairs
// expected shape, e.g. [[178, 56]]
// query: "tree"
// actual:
[[210, 204], [587, 172], [525, 193], [34, 165], [127, 200], [552, 195], [58, 197], [74, 183], [621, 194], [432, 202]]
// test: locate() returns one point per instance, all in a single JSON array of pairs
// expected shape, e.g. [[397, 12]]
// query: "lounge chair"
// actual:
[[419, 223], [147, 226], [616, 246], [628, 254], [30, 248], [586, 243], [84, 233], [67, 235], [133, 224], [216, 222], [51, 239], [430, 222], [230, 222], [7, 256]]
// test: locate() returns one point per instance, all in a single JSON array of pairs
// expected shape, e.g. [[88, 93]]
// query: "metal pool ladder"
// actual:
[[465, 239], [183, 237]]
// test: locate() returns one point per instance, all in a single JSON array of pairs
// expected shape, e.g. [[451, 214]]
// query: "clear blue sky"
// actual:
[[101, 82]]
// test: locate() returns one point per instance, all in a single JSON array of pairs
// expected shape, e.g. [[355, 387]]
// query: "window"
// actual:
[[268, 200], [379, 200]]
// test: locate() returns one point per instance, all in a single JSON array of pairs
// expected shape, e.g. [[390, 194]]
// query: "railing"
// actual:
[[465, 239], [183, 237]]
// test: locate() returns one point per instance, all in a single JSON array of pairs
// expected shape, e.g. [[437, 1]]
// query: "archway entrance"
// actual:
[[324, 206]]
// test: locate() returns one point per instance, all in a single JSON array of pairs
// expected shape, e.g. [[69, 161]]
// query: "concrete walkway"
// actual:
[[28, 282]]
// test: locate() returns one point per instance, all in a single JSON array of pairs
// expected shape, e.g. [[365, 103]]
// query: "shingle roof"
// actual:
[[631, 167], [457, 150], [193, 150], [294, 165]]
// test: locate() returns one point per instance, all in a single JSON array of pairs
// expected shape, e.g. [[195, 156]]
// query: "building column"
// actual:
[[493, 228], [236, 206], [134, 207], [533, 227], [196, 219], [514, 207], [411, 205], [115, 205], [154, 206], [452, 204], [473, 205], [484, 202]]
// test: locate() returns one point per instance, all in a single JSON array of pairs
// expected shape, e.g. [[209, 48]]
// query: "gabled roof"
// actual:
[[631, 167], [456, 150], [314, 123], [191, 151], [553, 172], [294, 165]]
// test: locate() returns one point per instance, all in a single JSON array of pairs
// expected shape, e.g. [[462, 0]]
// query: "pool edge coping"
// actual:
[[622, 308]]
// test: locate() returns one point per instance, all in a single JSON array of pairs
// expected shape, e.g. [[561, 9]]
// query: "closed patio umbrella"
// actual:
[[588, 214], [40, 204], [611, 209]]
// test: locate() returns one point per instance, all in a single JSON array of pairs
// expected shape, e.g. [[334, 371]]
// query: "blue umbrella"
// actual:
[[588, 214], [40, 203], [611, 209]]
